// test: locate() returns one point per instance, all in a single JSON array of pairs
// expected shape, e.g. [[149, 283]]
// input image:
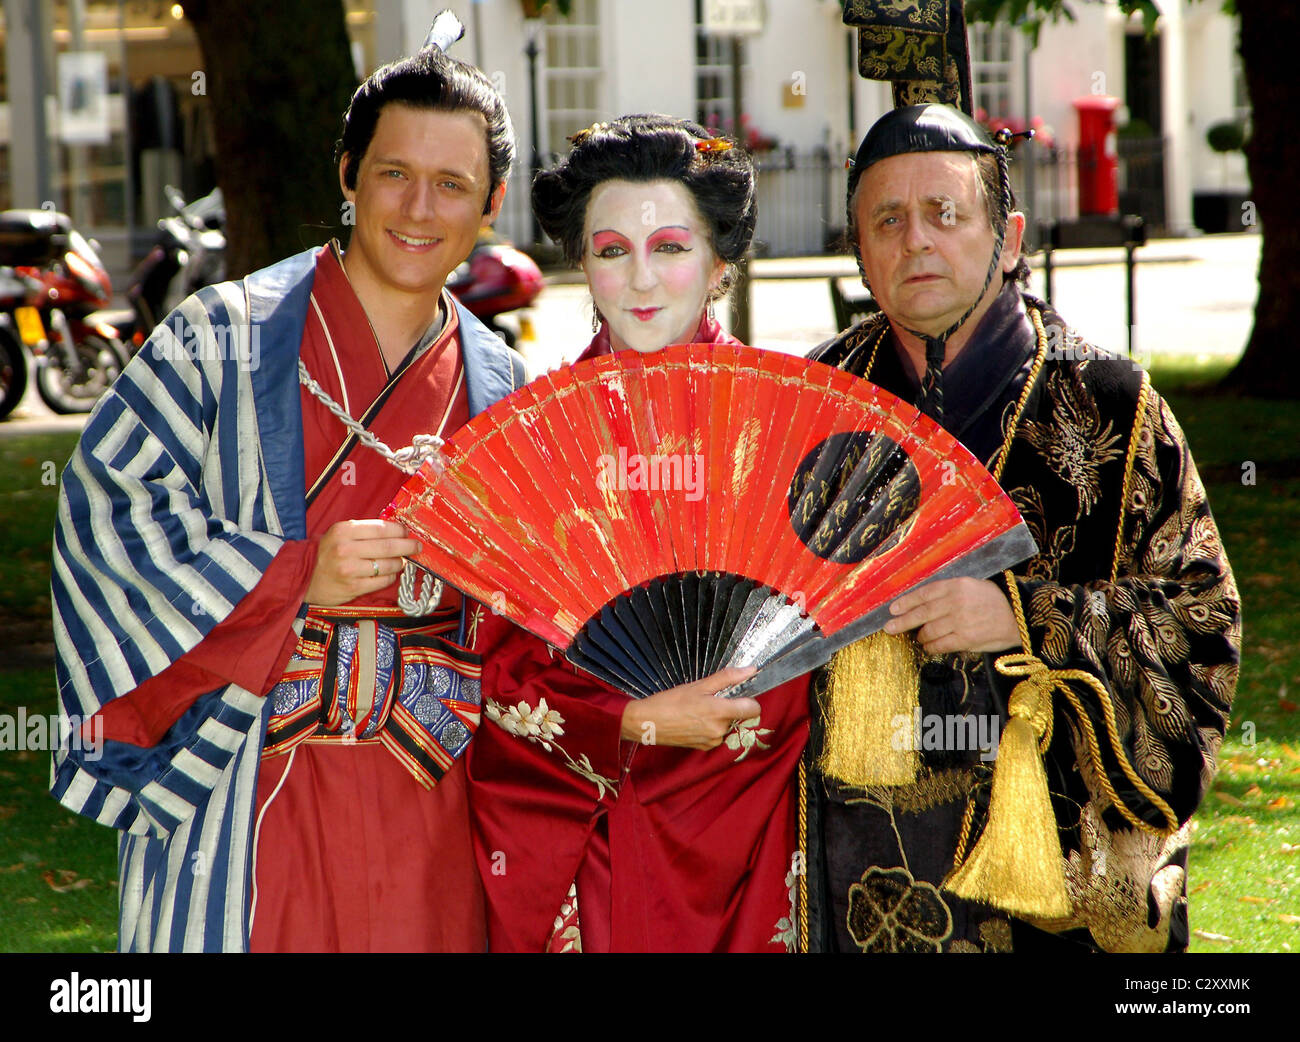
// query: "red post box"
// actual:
[[1098, 161]]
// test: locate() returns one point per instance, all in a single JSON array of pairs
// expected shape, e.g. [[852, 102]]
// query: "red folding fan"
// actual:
[[658, 517]]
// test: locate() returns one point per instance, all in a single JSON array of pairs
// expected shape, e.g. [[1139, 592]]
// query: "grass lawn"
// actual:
[[1244, 871], [58, 872]]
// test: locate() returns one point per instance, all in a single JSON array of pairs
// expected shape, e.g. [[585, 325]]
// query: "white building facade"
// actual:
[[801, 92], [801, 98]]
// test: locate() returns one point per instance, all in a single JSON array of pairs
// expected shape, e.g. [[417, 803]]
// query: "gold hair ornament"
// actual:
[[582, 135]]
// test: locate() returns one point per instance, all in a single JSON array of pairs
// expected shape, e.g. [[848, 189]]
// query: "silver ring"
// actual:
[[374, 574]]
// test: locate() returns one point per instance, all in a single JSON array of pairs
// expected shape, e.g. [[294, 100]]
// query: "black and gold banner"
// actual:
[[918, 45]]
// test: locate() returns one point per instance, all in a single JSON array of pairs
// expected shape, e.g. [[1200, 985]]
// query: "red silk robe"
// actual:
[[351, 853], [588, 842]]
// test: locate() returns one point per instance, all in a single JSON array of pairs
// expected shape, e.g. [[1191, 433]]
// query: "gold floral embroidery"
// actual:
[[543, 725], [566, 934], [746, 736], [1053, 546], [786, 931], [931, 789], [1075, 444], [996, 935], [889, 911]]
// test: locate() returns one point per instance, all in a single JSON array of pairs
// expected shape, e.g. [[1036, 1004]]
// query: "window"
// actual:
[[572, 80], [991, 50], [713, 102]]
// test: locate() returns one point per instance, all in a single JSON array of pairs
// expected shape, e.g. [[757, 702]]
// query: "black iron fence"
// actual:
[[800, 202], [801, 194], [1057, 172]]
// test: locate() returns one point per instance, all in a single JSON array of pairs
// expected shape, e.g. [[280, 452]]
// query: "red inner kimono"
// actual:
[[665, 849]]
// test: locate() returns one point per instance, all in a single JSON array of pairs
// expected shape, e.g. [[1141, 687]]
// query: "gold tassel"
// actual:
[[1017, 865], [870, 706]]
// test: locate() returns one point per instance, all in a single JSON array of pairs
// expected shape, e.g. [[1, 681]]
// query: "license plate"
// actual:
[[30, 326]]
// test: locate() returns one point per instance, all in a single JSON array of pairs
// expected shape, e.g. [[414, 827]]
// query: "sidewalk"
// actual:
[[1193, 296]]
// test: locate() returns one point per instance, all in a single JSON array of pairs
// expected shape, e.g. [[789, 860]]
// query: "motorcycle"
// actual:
[[13, 363], [54, 286], [190, 253], [495, 279]]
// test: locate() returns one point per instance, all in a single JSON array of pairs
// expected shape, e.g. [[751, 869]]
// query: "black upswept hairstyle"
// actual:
[[652, 148], [427, 80]]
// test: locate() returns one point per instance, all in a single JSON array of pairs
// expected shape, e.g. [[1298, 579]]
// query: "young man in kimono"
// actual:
[[1106, 662], [281, 739]]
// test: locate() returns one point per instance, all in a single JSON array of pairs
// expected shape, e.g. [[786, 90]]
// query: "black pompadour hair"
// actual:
[[427, 80]]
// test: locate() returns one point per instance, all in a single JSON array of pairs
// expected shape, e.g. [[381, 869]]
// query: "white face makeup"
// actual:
[[648, 261]]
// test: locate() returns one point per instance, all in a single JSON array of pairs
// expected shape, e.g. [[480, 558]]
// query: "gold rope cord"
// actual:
[[802, 878], [1059, 676], [963, 838], [1139, 421], [1040, 355]]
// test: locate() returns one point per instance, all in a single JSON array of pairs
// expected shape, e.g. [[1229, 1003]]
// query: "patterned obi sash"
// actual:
[[373, 674]]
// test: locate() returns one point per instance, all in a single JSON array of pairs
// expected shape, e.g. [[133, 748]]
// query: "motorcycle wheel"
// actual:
[[13, 373], [103, 360]]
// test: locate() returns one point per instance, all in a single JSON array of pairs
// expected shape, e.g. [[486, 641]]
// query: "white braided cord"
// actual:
[[407, 459], [423, 448]]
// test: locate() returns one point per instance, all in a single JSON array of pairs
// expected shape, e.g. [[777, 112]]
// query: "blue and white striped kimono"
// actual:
[[186, 482]]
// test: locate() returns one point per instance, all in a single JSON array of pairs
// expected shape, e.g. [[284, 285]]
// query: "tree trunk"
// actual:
[[1268, 34], [279, 77]]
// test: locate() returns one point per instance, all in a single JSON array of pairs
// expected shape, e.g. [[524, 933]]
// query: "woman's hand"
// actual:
[[356, 558], [690, 716]]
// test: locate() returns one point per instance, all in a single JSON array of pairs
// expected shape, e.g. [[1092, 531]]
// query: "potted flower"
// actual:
[[1221, 211]]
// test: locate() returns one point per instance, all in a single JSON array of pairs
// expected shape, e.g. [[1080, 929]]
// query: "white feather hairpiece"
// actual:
[[445, 30]]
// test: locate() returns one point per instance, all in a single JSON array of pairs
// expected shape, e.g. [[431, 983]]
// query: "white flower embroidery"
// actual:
[[567, 928], [787, 933], [746, 736], [543, 725]]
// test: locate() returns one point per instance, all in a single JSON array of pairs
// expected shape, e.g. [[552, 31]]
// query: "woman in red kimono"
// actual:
[[602, 822]]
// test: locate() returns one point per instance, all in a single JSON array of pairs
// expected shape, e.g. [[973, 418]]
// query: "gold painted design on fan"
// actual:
[[744, 456]]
